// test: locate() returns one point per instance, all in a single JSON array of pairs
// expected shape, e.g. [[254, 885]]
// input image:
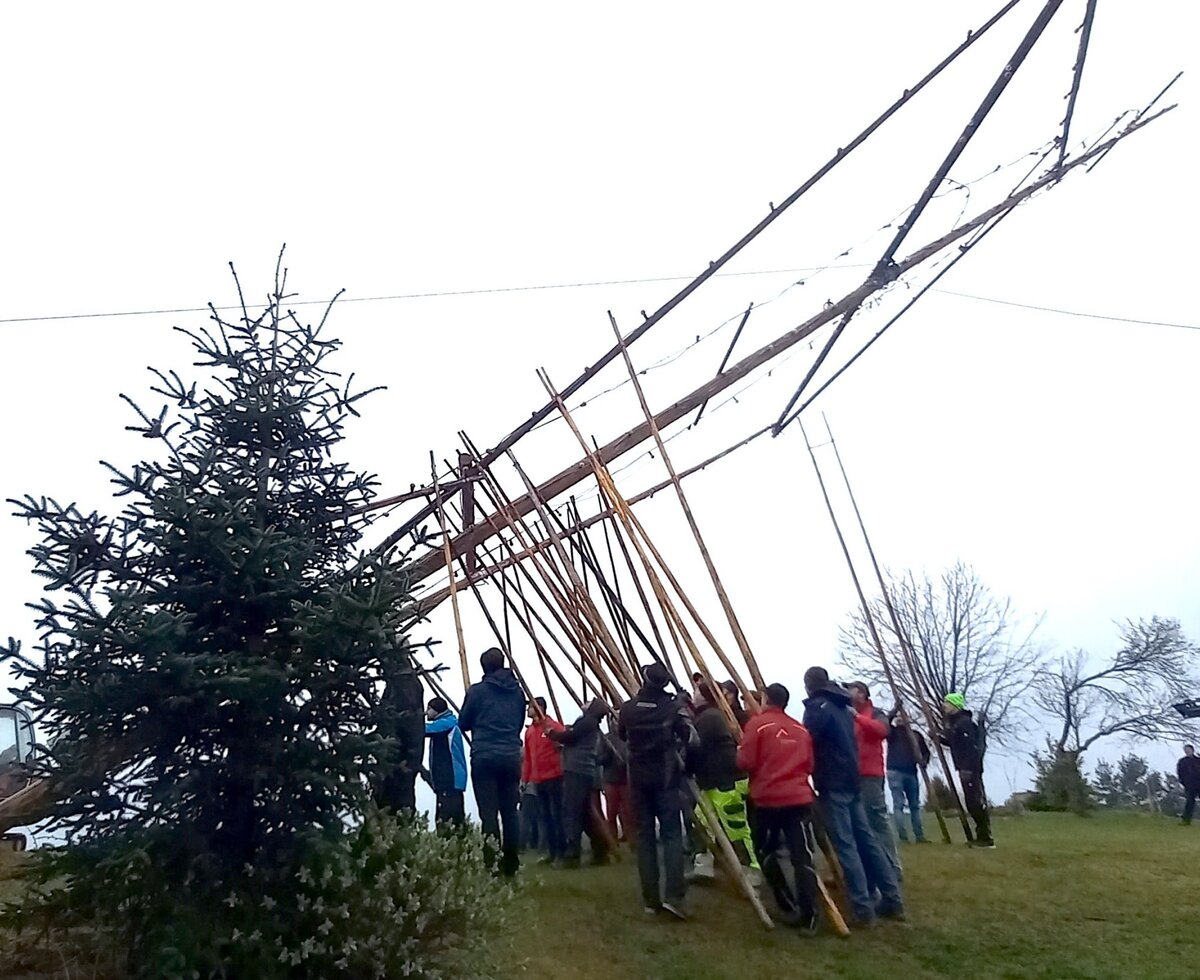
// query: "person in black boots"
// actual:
[[656, 728], [494, 712], [447, 763], [1188, 771], [965, 739], [581, 746]]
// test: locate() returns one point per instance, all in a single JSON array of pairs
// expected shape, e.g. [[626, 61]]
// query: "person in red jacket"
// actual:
[[870, 732], [541, 767], [777, 752]]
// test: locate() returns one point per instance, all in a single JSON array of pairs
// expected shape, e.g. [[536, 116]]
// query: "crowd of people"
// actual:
[[669, 768]]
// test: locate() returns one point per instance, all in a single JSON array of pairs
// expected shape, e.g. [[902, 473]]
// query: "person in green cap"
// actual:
[[965, 739]]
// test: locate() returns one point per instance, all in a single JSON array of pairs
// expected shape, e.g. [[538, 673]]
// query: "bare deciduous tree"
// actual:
[[964, 638], [1131, 694]]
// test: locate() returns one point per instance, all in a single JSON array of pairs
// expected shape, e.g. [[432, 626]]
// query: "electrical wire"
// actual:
[[1062, 312]]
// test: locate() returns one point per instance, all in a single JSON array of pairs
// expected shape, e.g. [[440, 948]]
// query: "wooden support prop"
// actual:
[[735, 625], [638, 537], [732, 865], [587, 607], [446, 548], [866, 607], [898, 700], [574, 625]]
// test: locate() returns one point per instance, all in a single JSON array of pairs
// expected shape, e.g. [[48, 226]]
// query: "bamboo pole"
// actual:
[[735, 625], [587, 606], [899, 701], [574, 622], [458, 628], [725, 848]]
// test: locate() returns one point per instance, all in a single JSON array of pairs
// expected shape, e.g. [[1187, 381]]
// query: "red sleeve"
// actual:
[[747, 755], [871, 725]]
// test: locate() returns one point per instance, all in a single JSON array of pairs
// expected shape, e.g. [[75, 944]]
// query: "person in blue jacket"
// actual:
[[493, 713], [447, 763], [830, 723]]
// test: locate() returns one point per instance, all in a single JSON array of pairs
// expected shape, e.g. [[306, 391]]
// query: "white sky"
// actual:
[[400, 149]]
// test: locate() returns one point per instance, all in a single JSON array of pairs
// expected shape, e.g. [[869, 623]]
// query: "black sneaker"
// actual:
[[987, 844]]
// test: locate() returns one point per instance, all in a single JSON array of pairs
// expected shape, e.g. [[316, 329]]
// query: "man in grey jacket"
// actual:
[[581, 747]]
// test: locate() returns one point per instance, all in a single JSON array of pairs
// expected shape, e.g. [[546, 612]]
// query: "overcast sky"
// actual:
[[405, 149]]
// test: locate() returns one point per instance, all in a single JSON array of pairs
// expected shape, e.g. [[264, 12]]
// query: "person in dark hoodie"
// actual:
[[902, 774], [656, 728], [718, 777], [581, 747], [447, 763], [962, 733], [403, 722], [494, 713], [830, 721], [1188, 771]]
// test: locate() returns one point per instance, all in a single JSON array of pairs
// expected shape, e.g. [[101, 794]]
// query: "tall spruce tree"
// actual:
[[223, 670]]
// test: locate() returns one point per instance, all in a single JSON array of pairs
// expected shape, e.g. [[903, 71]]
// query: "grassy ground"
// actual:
[[1112, 896]]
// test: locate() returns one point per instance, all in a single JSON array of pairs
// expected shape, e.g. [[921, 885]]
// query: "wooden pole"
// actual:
[[735, 625], [912, 737], [458, 628]]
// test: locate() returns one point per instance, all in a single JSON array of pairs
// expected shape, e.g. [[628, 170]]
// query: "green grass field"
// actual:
[[1061, 897]]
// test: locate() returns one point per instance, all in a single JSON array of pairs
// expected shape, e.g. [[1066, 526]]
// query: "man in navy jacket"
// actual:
[[493, 712], [830, 721]]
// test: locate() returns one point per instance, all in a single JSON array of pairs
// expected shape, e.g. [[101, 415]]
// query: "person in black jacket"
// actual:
[[902, 775], [656, 728], [965, 739], [581, 748], [403, 722], [494, 712], [830, 721], [714, 765], [1188, 771]]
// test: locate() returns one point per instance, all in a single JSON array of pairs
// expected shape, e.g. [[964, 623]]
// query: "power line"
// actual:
[[1079, 313], [431, 295]]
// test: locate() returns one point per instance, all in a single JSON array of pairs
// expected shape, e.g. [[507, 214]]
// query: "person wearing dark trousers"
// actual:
[[530, 817], [830, 722], [403, 722], [1188, 771], [581, 746], [902, 775], [656, 728], [965, 739], [776, 751], [447, 764], [493, 712], [870, 733], [541, 768]]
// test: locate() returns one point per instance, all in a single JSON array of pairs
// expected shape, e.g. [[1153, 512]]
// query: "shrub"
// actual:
[[388, 899]]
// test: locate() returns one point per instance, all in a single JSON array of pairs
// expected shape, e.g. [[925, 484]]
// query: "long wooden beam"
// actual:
[[429, 564]]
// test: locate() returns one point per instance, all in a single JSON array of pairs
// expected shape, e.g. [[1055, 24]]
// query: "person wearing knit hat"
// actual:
[[964, 736]]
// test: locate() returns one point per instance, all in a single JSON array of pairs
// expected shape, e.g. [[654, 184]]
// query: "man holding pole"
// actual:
[[902, 774], [655, 727], [830, 721], [965, 739], [541, 769], [493, 711], [870, 732]]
